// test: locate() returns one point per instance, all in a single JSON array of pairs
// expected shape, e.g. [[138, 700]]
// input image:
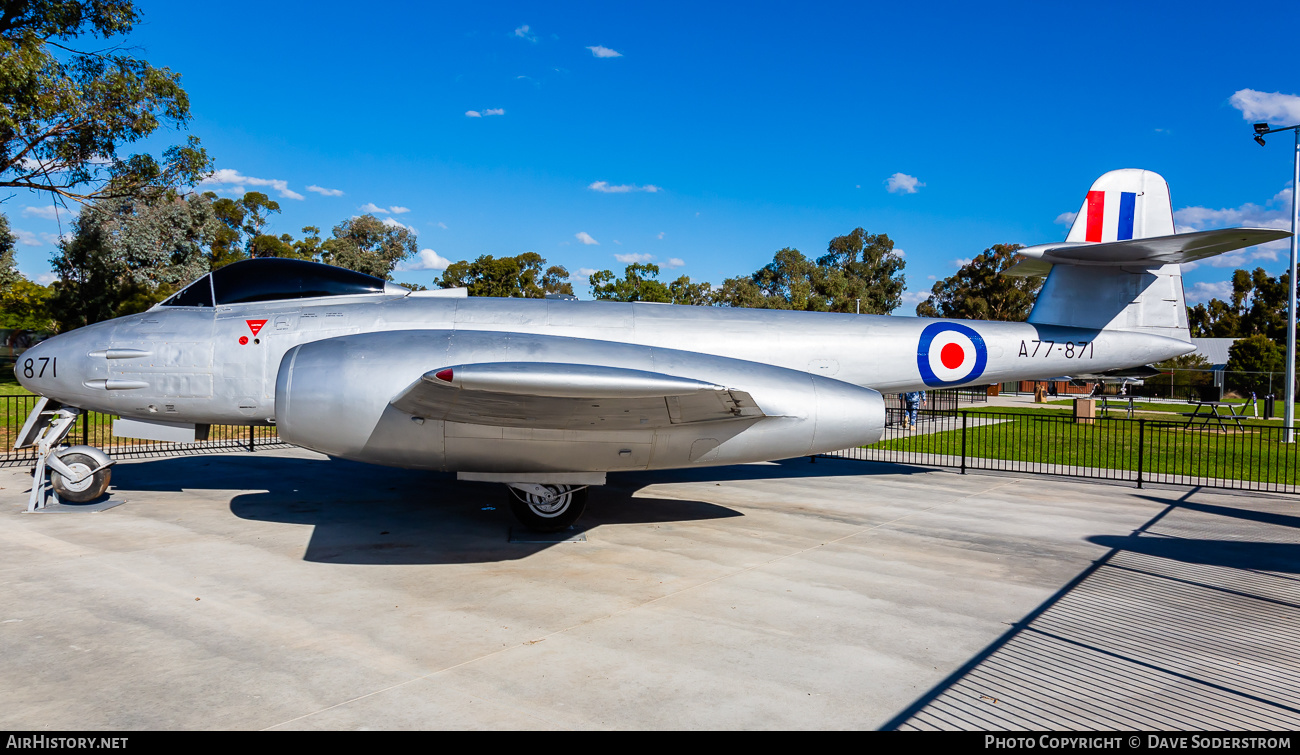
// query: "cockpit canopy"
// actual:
[[272, 279]]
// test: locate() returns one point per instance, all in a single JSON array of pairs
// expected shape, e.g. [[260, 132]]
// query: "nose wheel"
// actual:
[[547, 508]]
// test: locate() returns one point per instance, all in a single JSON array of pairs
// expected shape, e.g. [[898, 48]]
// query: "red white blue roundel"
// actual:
[[949, 354]]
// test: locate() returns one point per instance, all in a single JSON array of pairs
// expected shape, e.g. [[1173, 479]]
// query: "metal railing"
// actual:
[[96, 429], [1243, 456]]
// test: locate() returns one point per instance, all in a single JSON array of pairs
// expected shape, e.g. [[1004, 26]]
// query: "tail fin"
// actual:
[[1124, 204], [1118, 268]]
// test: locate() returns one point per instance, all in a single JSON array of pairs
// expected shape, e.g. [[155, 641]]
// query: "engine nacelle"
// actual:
[[333, 396]]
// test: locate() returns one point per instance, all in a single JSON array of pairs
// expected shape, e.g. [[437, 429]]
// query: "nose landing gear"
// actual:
[[79, 474]]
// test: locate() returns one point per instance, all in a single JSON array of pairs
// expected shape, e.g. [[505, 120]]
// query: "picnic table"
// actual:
[[1212, 414], [1117, 402]]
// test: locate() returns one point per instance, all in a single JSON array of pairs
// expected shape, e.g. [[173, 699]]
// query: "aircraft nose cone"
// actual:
[[27, 366]]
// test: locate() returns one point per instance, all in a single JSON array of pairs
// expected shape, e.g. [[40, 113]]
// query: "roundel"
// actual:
[[949, 354]]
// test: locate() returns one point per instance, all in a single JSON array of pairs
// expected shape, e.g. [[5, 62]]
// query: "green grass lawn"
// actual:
[[1253, 453]]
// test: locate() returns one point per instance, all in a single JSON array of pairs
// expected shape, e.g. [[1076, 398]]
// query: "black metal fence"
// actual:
[[1221, 453], [96, 429]]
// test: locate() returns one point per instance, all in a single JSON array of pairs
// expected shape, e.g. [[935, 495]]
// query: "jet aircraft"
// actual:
[[550, 396]]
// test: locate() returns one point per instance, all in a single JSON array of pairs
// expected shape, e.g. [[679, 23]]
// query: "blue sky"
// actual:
[[722, 134]]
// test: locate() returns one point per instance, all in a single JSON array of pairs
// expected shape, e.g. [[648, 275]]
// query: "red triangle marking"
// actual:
[[255, 325]]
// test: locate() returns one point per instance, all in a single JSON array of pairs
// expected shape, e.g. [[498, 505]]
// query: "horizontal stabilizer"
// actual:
[[549, 395], [1148, 252]]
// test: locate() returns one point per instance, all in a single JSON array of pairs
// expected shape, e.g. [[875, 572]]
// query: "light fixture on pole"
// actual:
[[1289, 415]]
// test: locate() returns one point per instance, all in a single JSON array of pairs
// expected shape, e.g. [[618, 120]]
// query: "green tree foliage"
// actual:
[[67, 111], [8, 267], [640, 282], [857, 267], [27, 306], [242, 233], [1258, 305], [128, 253], [1252, 355], [556, 280], [978, 291], [522, 276], [860, 266], [368, 245]]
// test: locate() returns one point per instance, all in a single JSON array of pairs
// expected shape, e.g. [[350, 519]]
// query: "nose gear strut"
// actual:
[[80, 473]]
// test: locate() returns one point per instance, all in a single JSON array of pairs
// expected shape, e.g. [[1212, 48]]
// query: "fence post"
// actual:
[[1142, 426], [251, 429], [85, 428], [963, 442]]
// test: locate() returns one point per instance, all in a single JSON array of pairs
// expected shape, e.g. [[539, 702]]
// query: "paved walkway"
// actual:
[[284, 590]]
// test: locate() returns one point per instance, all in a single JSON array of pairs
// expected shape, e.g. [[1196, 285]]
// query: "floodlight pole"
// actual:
[[1289, 410], [1290, 330]]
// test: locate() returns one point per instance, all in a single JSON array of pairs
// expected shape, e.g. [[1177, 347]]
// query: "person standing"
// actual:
[[912, 402]]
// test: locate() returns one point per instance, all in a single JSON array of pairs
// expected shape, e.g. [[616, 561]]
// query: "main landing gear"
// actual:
[[79, 474], [547, 508]]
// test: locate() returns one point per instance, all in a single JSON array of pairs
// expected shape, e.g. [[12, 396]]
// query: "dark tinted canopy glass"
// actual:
[[197, 294], [272, 278]]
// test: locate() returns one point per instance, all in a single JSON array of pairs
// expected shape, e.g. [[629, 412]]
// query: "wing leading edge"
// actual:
[[549, 395]]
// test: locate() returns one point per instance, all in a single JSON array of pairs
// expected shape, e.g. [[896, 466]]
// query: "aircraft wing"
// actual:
[[551, 395], [1149, 252]]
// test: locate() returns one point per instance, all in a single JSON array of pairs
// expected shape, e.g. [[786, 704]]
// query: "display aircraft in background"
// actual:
[[549, 396]]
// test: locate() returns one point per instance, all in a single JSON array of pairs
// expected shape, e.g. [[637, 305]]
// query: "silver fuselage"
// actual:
[[189, 365]]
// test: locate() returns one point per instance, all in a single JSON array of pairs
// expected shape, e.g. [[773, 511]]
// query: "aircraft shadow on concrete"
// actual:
[[365, 514]]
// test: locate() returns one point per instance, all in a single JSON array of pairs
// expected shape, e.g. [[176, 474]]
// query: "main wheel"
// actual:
[[542, 514], [86, 489]]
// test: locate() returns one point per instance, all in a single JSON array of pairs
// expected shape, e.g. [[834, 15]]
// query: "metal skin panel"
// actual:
[[878, 352], [333, 396]]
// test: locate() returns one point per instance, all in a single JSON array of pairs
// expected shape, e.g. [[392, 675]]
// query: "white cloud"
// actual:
[[616, 241], [46, 278], [1066, 218], [962, 261], [50, 212], [473, 114], [523, 32], [628, 259], [495, 111], [604, 52], [443, 226], [913, 298], [1274, 107], [931, 277], [660, 236], [585, 238], [427, 259], [1203, 292], [394, 224], [326, 192], [585, 272], [398, 210], [26, 238], [234, 179], [372, 207], [901, 183], [605, 187], [900, 252], [674, 262], [1275, 213]]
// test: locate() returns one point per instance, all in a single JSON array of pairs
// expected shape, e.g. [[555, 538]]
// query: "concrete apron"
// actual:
[[286, 590]]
